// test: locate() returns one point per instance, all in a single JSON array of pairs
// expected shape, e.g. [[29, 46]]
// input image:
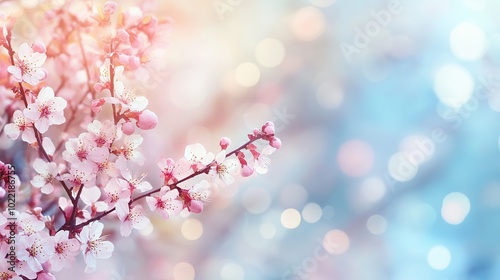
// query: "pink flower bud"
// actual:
[[195, 206], [269, 130], [96, 105], [275, 142], [128, 128], [224, 142], [147, 120], [110, 7], [39, 47], [247, 171]]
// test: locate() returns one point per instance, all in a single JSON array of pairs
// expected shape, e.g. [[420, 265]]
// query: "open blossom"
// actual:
[[30, 224], [5, 273], [47, 110], [166, 203], [172, 171], [28, 65], [130, 149], [131, 218], [199, 194], [224, 168], [105, 77], [117, 191], [80, 175], [128, 99], [47, 172], [90, 196], [65, 250], [93, 245], [84, 151], [261, 160], [198, 156], [35, 250], [22, 126], [102, 134]]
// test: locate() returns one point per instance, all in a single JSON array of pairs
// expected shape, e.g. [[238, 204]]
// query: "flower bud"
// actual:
[[224, 142], [39, 47], [128, 128], [147, 120], [275, 142], [96, 105], [196, 206], [247, 171]]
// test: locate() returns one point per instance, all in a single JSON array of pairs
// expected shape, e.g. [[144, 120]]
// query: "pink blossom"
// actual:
[[81, 175], [172, 171], [198, 156], [65, 250], [93, 245], [130, 150], [261, 160], [224, 168], [47, 172], [5, 273], [30, 224], [90, 196], [35, 250], [165, 203], [117, 190], [84, 151], [28, 65], [47, 110], [128, 99], [102, 133], [21, 125], [133, 218]]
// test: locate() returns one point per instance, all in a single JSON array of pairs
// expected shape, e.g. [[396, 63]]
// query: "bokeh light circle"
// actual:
[[270, 52], [376, 224], [308, 24], [455, 208], [439, 257], [247, 74], [468, 42], [336, 242], [312, 212], [192, 229], [453, 85], [290, 218]]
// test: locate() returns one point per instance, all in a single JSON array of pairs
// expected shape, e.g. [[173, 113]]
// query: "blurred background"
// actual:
[[387, 112]]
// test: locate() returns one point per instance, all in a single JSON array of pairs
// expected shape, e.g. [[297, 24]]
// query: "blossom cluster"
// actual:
[[89, 171]]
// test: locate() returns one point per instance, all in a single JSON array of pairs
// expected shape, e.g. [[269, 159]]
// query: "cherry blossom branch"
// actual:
[[38, 135], [174, 185]]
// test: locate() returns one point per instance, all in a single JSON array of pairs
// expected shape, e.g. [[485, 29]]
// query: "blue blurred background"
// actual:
[[387, 111]]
